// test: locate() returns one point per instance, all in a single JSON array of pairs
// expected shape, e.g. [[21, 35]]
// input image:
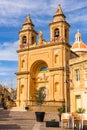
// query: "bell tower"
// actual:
[[27, 34], [59, 28], [27, 37], [59, 34]]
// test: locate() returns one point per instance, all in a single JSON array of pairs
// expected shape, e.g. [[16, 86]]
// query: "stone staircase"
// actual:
[[15, 120], [36, 108], [17, 109], [24, 120]]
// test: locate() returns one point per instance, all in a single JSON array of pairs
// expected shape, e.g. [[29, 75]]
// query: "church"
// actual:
[[58, 66]]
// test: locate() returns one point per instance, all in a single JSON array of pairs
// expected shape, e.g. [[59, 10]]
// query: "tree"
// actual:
[[40, 95]]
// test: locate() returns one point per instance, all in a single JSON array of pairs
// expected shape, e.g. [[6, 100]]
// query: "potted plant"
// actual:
[[60, 111], [52, 123], [80, 110], [39, 96]]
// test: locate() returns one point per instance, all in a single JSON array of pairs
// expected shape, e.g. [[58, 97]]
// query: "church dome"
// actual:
[[78, 45]]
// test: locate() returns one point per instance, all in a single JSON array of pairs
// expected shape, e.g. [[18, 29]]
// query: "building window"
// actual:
[[21, 89], [32, 40], [22, 63], [56, 32], [85, 74], [78, 101], [85, 78], [56, 87], [65, 33], [77, 74], [56, 59], [24, 40]]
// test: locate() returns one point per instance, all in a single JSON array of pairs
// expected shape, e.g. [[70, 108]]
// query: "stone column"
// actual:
[[18, 92]]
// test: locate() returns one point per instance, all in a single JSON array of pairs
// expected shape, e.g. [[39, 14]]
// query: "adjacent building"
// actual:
[[78, 74]]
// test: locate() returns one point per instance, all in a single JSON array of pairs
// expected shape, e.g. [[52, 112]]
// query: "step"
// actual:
[[18, 109]]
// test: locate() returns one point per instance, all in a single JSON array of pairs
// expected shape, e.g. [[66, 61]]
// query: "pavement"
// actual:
[[25, 120]]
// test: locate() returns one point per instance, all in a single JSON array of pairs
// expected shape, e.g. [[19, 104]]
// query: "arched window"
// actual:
[[32, 40], [56, 59], [65, 33], [43, 69], [56, 32], [56, 87], [22, 63], [24, 40], [77, 74], [21, 89]]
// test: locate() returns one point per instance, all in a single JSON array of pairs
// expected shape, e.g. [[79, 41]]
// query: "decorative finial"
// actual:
[[28, 18], [59, 5], [29, 14], [78, 36]]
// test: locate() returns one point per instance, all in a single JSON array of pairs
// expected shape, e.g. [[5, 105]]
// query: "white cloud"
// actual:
[[11, 11], [3, 73], [8, 51], [80, 18], [5, 69]]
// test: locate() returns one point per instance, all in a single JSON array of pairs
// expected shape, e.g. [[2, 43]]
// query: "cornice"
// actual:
[[27, 30], [43, 46], [22, 73], [28, 24], [59, 22], [59, 15], [56, 68]]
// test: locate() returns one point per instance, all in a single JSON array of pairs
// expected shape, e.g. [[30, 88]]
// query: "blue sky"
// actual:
[[13, 14]]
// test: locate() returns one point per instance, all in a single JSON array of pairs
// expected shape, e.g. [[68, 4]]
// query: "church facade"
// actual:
[[49, 64]]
